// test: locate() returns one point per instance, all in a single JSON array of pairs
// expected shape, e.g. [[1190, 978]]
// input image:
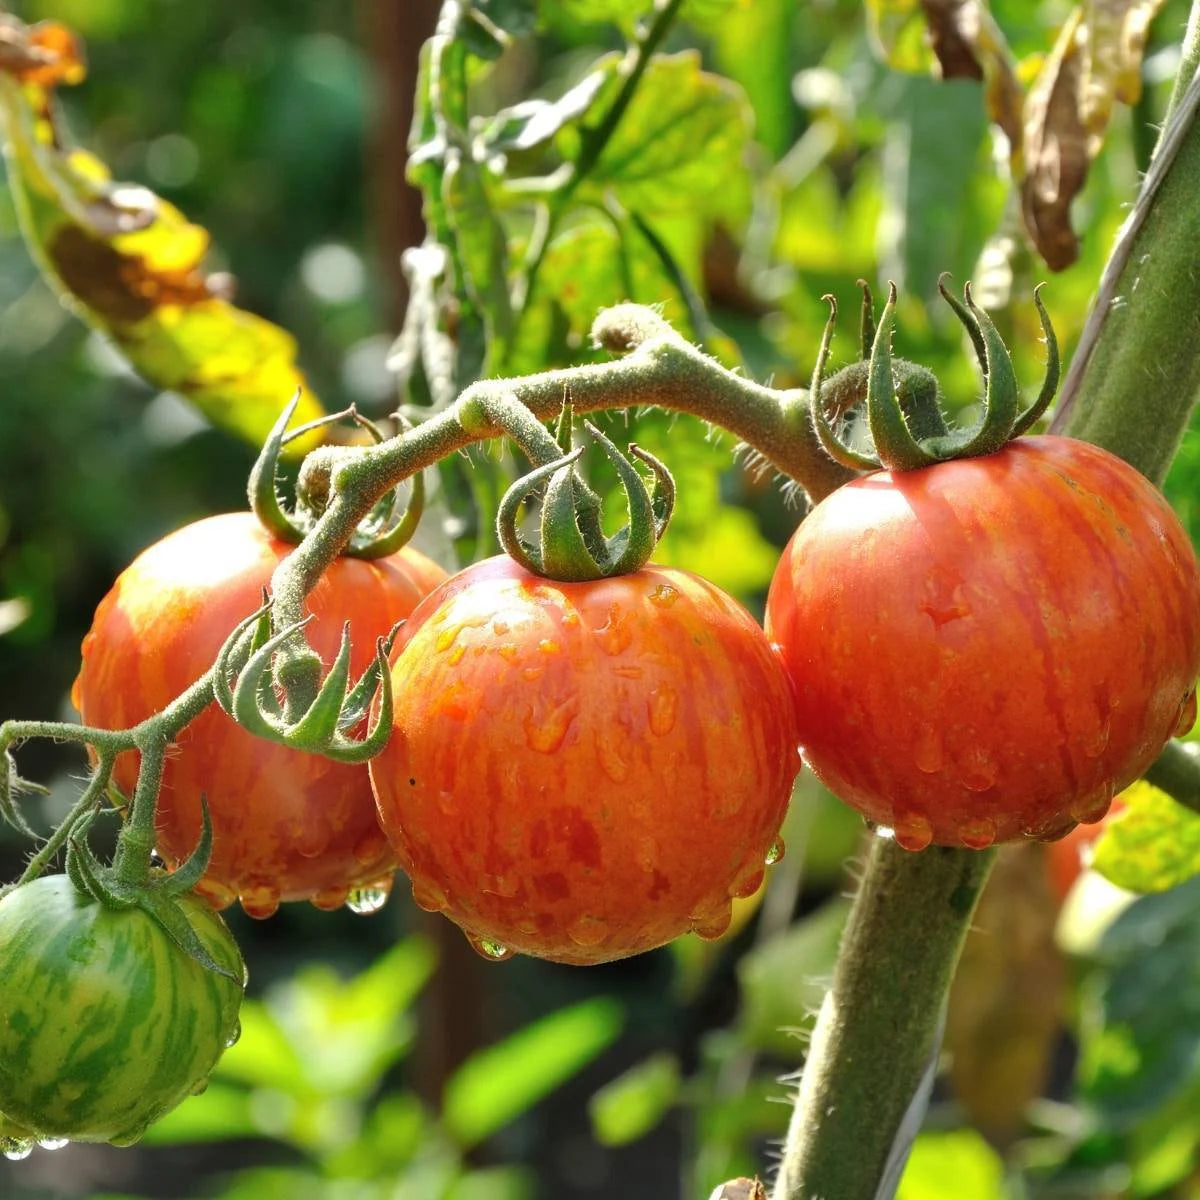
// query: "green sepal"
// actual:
[[378, 536], [319, 724], [158, 903], [93, 879], [191, 870], [360, 696], [1050, 383], [12, 786], [346, 750], [265, 501], [236, 650], [255, 705], [822, 426], [508, 511]]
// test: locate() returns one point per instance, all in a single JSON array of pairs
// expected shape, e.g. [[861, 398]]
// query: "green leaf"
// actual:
[[628, 13], [130, 264], [949, 1166], [681, 146], [1152, 845], [634, 1103], [1140, 1008], [499, 1083], [783, 980], [899, 30]]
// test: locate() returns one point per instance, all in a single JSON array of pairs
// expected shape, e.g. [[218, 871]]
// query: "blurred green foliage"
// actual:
[[767, 156]]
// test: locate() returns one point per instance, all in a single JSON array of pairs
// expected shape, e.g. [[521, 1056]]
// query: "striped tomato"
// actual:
[[584, 771], [990, 648], [107, 1024], [286, 825]]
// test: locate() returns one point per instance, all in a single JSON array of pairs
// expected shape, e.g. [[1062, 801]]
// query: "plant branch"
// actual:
[[1177, 772], [879, 1025]]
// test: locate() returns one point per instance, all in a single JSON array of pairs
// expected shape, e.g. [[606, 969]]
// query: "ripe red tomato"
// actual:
[[992, 647], [584, 771], [286, 825]]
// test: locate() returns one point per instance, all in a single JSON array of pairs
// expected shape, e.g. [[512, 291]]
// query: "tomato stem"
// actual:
[[879, 1026]]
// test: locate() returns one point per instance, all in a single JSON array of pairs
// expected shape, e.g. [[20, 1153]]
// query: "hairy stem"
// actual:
[[879, 1025]]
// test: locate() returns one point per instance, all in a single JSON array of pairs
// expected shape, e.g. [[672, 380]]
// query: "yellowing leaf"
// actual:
[[1153, 844], [129, 263]]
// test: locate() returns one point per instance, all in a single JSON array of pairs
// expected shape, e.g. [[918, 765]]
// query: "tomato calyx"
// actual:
[[907, 428], [244, 678], [156, 893], [571, 545], [381, 532], [12, 786]]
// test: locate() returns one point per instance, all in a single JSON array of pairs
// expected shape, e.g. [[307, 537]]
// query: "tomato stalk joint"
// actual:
[[571, 545], [907, 428]]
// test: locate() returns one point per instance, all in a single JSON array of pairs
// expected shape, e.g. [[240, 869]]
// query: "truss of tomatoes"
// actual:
[[989, 648]]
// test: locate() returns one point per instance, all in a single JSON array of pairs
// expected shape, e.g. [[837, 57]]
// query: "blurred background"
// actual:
[[381, 1057]]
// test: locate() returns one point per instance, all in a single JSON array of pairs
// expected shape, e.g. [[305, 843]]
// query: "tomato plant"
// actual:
[[108, 1023], [992, 647], [287, 825], [584, 771]]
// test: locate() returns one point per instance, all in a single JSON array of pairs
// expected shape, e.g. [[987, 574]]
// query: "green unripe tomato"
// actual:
[[105, 1023]]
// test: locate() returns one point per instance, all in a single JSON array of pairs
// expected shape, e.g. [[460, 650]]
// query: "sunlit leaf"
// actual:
[[680, 146], [499, 1083], [634, 1103], [220, 1113], [12, 614], [628, 13], [1152, 845], [131, 265], [898, 28], [951, 1166]]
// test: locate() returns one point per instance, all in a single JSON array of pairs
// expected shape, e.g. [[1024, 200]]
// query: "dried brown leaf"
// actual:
[[1006, 1003], [740, 1189], [1115, 33]]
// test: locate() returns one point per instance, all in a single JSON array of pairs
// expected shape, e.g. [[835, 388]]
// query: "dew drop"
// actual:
[[547, 646], [912, 831], [661, 706], [977, 771], [664, 595], [16, 1149], [776, 851], [330, 899], [1187, 715], [978, 833], [616, 634], [260, 902], [53, 1143], [1091, 807], [587, 931], [509, 652], [928, 753], [216, 895], [713, 924], [429, 896], [499, 627], [612, 754], [546, 731], [369, 898], [531, 674], [370, 848], [747, 883], [456, 655], [486, 948], [232, 1038], [199, 1087], [312, 840]]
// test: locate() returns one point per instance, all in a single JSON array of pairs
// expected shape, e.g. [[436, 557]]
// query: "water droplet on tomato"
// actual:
[[456, 655], [531, 674], [370, 898], [978, 833], [1187, 715], [712, 923], [199, 1087], [429, 896], [370, 848], [330, 899], [775, 852], [587, 931], [661, 706], [260, 902], [216, 895], [16, 1149], [1091, 807], [234, 1035], [505, 886], [747, 883], [912, 831], [53, 1143], [977, 770], [312, 840], [486, 948], [616, 634], [546, 730], [612, 753], [547, 646], [499, 627], [509, 652], [664, 595], [928, 753]]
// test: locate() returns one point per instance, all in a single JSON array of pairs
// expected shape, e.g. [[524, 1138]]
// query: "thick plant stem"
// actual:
[[879, 1024]]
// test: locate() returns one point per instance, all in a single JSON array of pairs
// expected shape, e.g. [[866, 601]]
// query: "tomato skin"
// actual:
[[107, 1024], [989, 648], [584, 771], [286, 825]]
